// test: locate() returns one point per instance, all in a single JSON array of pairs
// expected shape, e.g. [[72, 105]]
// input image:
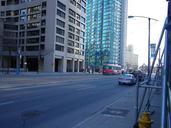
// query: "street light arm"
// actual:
[[143, 17]]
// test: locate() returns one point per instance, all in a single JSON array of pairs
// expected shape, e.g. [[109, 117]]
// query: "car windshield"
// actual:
[[127, 75]]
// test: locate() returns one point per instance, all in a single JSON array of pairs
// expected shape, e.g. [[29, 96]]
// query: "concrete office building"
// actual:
[[105, 32], [1, 39], [46, 35], [131, 59]]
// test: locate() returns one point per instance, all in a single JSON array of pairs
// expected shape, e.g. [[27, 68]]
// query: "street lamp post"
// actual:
[[149, 28], [18, 60]]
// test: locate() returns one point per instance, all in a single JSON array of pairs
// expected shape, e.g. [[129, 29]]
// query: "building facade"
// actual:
[[131, 59], [105, 32], [45, 35]]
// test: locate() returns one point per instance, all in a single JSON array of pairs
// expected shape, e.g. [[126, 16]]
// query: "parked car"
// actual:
[[139, 74], [127, 79]]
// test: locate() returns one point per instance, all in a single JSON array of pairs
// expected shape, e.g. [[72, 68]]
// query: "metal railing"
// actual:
[[164, 73]]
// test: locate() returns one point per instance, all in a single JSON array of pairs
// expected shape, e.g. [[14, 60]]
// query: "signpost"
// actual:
[[152, 50]]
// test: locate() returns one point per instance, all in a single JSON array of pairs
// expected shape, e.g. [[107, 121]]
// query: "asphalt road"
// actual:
[[56, 101]]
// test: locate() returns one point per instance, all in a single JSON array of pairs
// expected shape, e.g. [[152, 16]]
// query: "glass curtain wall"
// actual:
[[103, 32]]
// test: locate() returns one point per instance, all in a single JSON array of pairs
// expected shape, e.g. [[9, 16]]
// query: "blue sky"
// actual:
[[137, 33]]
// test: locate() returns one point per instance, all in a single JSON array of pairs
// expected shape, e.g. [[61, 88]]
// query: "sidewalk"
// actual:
[[121, 113]]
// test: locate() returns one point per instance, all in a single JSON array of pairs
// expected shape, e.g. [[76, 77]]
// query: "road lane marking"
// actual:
[[6, 103], [97, 113]]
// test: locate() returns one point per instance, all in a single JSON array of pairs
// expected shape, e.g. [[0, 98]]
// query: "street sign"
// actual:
[[153, 50]]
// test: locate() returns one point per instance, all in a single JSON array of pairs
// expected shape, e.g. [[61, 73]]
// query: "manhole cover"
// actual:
[[115, 112], [31, 114]]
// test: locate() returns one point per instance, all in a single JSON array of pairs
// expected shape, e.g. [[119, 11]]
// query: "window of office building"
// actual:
[[82, 34], [70, 35], [82, 46], [71, 28], [33, 33], [77, 31], [22, 27], [59, 47], [12, 19], [72, 20], [59, 39], [12, 2], [23, 1], [81, 40], [78, 16], [83, 9], [60, 13], [33, 25], [78, 6], [23, 19], [61, 5], [8, 13], [34, 9], [22, 34], [33, 17], [12, 13], [43, 22], [70, 50], [60, 31], [32, 48], [82, 26], [10, 34], [83, 3], [42, 46], [72, 13], [2, 13], [77, 52], [21, 41], [82, 19], [70, 43], [42, 38], [78, 23], [33, 40], [43, 30], [43, 12], [77, 38], [44, 4], [60, 23], [3, 3], [77, 45], [73, 2], [11, 27]]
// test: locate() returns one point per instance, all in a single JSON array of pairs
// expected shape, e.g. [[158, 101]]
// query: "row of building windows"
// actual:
[[25, 11], [74, 14], [14, 2], [33, 25], [72, 20], [70, 42], [23, 19], [69, 50], [80, 4]]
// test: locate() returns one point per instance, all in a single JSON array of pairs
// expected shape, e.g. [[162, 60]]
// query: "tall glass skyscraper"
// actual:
[[105, 32]]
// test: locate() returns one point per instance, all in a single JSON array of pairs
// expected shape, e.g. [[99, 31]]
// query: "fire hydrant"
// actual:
[[145, 121]]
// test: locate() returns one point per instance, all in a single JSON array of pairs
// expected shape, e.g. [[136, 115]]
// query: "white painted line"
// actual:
[[6, 103], [93, 116]]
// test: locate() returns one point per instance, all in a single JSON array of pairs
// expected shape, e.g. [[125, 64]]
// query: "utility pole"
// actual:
[[149, 27]]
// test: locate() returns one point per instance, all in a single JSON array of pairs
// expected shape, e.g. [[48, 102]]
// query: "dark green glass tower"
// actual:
[[105, 32]]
